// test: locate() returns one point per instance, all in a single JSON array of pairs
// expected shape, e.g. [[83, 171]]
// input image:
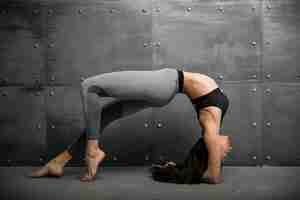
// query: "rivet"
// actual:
[[51, 45], [157, 44], [146, 125], [9, 161], [81, 78], [4, 94], [269, 7], [37, 93], [157, 9], [268, 157], [222, 90], [253, 8], [52, 78], [52, 126], [254, 124], [36, 45], [254, 76], [159, 125], [220, 77], [115, 158], [41, 159], [268, 90], [50, 11], [39, 125], [111, 10], [220, 8], [253, 89], [254, 157], [253, 43], [146, 157], [268, 124], [3, 12], [145, 44], [268, 76], [80, 11], [189, 9], [144, 10], [4, 80], [35, 11]]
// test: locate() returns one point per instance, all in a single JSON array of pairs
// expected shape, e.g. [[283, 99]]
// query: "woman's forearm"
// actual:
[[214, 157]]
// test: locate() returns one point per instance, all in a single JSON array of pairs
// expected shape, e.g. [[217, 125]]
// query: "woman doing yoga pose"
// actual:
[[149, 88]]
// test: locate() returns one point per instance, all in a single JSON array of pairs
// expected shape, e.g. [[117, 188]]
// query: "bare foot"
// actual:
[[50, 169], [92, 160], [225, 143]]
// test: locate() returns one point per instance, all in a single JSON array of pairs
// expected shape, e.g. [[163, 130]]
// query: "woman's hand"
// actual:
[[213, 180]]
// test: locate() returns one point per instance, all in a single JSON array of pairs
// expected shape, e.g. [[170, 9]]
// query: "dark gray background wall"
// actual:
[[250, 47]]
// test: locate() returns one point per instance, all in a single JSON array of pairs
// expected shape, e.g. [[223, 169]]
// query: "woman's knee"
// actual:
[[86, 84]]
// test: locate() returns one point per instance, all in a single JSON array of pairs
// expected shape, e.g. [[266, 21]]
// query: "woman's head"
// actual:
[[189, 171]]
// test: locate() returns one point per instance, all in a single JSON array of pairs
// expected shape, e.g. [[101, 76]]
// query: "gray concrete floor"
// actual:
[[121, 183]]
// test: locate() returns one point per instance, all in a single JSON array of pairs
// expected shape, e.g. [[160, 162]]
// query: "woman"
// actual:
[[151, 88]]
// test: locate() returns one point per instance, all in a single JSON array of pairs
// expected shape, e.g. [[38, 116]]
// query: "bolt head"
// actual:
[[268, 76], [268, 157], [159, 125]]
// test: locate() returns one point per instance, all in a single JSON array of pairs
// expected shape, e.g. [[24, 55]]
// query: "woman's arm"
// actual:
[[209, 120], [214, 157]]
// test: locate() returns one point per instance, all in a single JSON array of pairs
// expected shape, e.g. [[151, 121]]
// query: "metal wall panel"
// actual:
[[281, 25], [134, 34], [181, 37], [220, 37], [62, 42], [21, 44], [280, 123], [237, 43], [81, 40], [22, 126], [175, 129], [242, 122], [129, 140], [64, 118]]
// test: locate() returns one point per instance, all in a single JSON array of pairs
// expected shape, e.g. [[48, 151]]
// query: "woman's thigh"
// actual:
[[156, 87]]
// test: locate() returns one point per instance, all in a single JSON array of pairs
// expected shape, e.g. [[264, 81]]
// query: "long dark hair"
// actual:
[[188, 171]]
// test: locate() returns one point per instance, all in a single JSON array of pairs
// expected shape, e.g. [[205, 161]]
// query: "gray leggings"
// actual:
[[143, 89]]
